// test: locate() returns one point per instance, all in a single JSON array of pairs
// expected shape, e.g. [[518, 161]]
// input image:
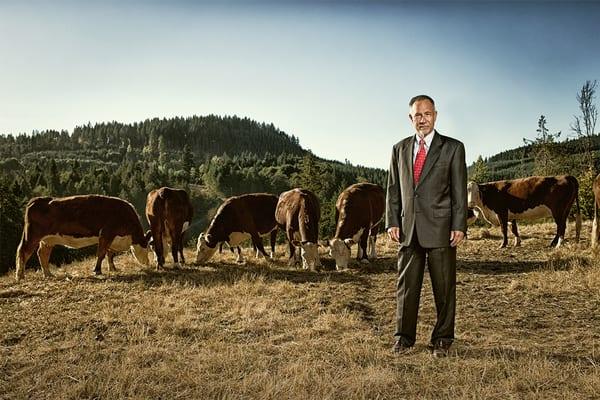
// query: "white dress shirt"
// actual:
[[428, 138]]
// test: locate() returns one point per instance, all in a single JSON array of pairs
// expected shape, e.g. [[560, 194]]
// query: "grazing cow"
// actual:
[[298, 213], [359, 210], [596, 223], [169, 213], [527, 198], [80, 221], [240, 218]]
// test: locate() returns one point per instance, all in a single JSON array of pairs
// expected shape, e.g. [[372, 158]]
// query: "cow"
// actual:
[[298, 214], [596, 224], [169, 213], [237, 219], [359, 211], [80, 221], [527, 198]]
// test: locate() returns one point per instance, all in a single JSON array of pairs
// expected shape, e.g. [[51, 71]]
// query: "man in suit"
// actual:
[[426, 213]]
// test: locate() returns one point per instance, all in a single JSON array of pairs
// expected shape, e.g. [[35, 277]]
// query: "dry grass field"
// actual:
[[528, 327]]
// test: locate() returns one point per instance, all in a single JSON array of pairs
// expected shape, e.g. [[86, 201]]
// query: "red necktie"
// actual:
[[419, 161]]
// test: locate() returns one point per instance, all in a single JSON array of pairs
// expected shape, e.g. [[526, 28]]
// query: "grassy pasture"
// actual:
[[528, 327]]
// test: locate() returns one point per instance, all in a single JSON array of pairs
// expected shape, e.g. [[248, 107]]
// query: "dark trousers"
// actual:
[[442, 271]]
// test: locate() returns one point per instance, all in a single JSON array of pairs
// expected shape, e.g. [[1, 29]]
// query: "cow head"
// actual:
[[309, 252], [140, 251], [205, 248], [473, 195], [339, 249]]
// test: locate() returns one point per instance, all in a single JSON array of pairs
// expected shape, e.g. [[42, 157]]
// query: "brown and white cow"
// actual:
[[80, 221], [359, 210], [237, 219], [298, 214], [527, 198], [169, 213], [596, 224]]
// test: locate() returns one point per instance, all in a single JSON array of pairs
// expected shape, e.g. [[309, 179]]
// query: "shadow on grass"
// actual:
[[214, 274], [511, 354], [505, 267]]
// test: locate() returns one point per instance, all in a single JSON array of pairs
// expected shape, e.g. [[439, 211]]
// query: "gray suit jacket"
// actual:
[[438, 203]]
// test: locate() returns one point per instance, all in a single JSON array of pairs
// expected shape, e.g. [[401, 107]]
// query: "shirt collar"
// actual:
[[428, 139]]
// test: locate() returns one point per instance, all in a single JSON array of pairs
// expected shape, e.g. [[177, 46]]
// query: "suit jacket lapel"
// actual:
[[407, 156], [432, 155]]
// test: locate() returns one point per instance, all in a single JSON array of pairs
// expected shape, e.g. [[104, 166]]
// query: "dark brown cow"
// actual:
[[80, 221], [527, 198], [169, 213], [596, 224], [240, 218], [359, 210], [298, 214]]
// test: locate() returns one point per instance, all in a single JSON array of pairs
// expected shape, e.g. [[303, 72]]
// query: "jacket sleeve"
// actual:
[[393, 203], [458, 190]]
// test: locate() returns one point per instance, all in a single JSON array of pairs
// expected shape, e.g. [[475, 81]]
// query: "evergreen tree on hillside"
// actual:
[[479, 171]]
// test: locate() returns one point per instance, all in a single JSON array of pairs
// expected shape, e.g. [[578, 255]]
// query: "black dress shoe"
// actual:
[[440, 348], [401, 348]]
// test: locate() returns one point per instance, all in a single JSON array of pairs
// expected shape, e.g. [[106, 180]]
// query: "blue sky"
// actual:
[[338, 75]]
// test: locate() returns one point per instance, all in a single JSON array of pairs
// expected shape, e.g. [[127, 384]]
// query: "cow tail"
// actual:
[[577, 218]]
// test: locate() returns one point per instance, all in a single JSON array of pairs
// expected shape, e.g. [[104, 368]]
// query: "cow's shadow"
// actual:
[[223, 273], [512, 267]]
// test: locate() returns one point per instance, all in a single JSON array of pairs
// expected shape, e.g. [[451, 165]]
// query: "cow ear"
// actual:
[[296, 243], [324, 243], [349, 242]]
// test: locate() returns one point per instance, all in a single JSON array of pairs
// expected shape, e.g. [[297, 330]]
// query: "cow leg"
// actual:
[[515, 231], [240, 257], [180, 245], [504, 226], [258, 243], [157, 234], [364, 238], [43, 253], [175, 239], [290, 237], [561, 227], [273, 239], [24, 252], [372, 240], [103, 246], [111, 263]]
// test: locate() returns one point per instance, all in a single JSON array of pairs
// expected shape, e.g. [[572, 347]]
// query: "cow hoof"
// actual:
[[365, 261], [97, 272]]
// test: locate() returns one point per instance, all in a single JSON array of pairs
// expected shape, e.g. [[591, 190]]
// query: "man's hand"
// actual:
[[394, 233], [456, 237]]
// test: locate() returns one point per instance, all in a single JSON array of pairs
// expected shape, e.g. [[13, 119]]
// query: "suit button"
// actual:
[[416, 196]]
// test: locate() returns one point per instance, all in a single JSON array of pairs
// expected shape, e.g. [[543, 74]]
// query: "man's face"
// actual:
[[423, 115]]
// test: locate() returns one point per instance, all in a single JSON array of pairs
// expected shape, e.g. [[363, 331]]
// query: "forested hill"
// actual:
[[212, 157], [206, 136], [544, 156], [565, 158]]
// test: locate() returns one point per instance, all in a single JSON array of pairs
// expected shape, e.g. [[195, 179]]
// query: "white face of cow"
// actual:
[[310, 255], [473, 196], [203, 251], [141, 254], [340, 253]]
